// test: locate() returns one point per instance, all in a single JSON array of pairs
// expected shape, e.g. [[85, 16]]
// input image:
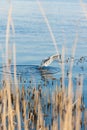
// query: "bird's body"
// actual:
[[50, 59]]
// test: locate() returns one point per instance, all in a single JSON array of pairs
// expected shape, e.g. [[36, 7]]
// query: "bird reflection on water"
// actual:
[[34, 74]]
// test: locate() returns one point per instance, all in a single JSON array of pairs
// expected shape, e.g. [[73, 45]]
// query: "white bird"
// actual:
[[50, 59]]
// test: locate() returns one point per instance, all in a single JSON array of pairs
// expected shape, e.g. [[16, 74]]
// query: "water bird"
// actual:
[[50, 59]]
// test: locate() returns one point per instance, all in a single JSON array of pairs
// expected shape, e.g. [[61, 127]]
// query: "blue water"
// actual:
[[32, 38]]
